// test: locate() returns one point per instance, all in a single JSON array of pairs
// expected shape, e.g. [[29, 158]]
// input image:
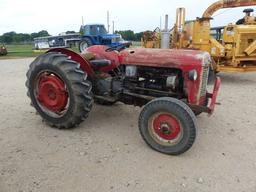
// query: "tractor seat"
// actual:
[[98, 63]]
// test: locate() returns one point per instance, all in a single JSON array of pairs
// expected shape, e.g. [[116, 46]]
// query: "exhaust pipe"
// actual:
[[166, 23], [165, 35]]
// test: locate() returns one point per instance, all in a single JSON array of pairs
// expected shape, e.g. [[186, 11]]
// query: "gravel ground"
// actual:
[[107, 153]]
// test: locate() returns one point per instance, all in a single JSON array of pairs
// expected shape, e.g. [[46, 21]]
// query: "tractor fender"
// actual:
[[84, 64]]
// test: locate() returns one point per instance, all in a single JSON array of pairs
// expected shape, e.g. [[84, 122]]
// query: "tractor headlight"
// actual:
[[192, 75]]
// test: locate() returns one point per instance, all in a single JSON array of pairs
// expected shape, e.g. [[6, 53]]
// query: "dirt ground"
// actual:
[[107, 153]]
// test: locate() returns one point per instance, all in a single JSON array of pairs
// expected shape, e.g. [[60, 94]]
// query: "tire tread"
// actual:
[[80, 86]]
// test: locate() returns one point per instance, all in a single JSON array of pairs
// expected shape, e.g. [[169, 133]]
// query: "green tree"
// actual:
[[43, 33], [13, 37], [130, 35], [34, 35], [8, 37], [127, 34], [138, 36], [70, 32]]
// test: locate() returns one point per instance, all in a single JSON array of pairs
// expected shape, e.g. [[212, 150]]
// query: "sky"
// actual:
[[27, 16]]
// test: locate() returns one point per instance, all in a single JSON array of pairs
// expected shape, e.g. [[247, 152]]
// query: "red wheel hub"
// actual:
[[166, 126], [52, 93]]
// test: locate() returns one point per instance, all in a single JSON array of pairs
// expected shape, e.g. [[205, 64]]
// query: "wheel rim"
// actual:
[[83, 46], [51, 94], [165, 129]]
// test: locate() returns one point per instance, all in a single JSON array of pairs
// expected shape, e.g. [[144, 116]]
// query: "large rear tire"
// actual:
[[168, 125], [59, 90]]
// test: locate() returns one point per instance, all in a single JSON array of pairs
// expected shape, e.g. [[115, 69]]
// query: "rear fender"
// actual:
[[84, 64]]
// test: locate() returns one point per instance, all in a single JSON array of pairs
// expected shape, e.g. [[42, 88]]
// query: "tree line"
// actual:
[[130, 35], [13, 37]]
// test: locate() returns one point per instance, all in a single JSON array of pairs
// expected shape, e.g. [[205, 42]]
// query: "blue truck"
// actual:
[[96, 34], [91, 34]]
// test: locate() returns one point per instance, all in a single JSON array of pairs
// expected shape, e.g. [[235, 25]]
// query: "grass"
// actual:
[[20, 51], [27, 50], [23, 51]]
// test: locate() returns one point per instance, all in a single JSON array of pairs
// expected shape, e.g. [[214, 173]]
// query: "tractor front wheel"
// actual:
[[59, 90], [168, 125]]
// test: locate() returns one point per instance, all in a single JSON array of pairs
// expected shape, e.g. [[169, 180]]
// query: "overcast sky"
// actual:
[[27, 16]]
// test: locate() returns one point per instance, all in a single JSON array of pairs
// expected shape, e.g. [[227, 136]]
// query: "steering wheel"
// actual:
[[116, 48]]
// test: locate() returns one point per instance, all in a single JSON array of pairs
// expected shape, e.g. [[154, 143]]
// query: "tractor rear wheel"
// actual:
[[168, 125], [84, 43], [59, 90]]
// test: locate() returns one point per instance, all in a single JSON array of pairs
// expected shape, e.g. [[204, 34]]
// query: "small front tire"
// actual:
[[168, 125]]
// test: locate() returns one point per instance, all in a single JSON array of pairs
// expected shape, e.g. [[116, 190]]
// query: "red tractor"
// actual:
[[170, 84], [3, 50]]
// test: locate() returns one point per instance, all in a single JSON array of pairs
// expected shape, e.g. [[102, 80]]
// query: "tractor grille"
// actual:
[[204, 81], [116, 40]]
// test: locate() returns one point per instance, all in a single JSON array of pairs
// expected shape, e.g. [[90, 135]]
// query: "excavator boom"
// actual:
[[227, 4], [233, 47]]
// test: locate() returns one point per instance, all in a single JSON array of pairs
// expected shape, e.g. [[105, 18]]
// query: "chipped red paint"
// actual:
[[213, 95], [183, 60], [100, 53], [169, 58], [51, 92], [166, 126], [193, 87]]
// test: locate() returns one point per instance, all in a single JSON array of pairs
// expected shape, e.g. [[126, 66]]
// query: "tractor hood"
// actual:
[[167, 58], [164, 57], [110, 36]]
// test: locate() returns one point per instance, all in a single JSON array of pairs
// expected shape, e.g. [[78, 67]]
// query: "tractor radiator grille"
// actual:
[[116, 40], [204, 81]]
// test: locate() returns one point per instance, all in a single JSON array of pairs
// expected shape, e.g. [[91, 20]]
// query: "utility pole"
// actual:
[[108, 21], [160, 23], [113, 23], [82, 20]]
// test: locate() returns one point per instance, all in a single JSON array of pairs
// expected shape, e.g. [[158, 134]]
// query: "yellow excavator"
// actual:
[[232, 47]]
